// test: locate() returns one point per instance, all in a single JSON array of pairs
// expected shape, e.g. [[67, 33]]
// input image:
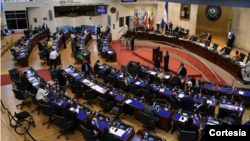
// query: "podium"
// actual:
[[156, 54]]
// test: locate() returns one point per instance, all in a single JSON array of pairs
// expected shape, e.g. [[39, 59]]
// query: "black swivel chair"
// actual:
[[207, 43], [87, 135], [182, 29], [53, 76], [63, 124], [246, 100], [187, 135], [196, 90], [187, 30], [36, 103], [89, 95], [103, 103], [161, 101], [157, 31], [102, 74], [20, 95], [112, 81], [157, 79], [47, 111], [205, 112], [132, 72], [148, 124], [172, 84], [202, 36], [107, 57], [173, 104], [242, 56], [14, 76], [75, 90], [195, 38], [143, 75], [215, 46], [134, 90], [210, 92], [43, 57], [148, 97], [176, 34], [122, 85], [118, 111], [167, 33], [19, 85]]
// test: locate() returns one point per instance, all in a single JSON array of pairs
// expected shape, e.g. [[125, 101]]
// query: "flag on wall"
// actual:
[[141, 17], [164, 17], [151, 19], [1, 6], [137, 18], [145, 17]]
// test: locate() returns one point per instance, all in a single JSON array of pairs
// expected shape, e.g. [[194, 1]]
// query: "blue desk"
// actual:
[[119, 97], [246, 123], [177, 117], [245, 93], [102, 125], [136, 104], [76, 75], [230, 107], [104, 68], [225, 90], [141, 84], [163, 113], [68, 70], [208, 86], [204, 124], [81, 115], [167, 92]]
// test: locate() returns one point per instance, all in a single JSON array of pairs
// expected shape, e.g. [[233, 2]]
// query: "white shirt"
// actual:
[[53, 55], [127, 81], [160, 75], [17, 49], [45, 26], [40, 94], [179, 70], [33, 28]]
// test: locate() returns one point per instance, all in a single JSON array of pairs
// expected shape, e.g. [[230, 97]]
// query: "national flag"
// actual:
[[137, 18], [145, 18], [141, 18], [165, 17], [151, 20]]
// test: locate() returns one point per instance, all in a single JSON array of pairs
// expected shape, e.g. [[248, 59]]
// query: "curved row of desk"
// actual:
[[226, 64]]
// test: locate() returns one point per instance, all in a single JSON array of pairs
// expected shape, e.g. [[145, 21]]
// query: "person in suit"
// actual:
[[40, 46], [166, 61], [70, 115], [49, 36], [158, 63], [45, 26], [137, 68], [53, 105], [96, 68], [112, 74], [98, 31], [192, 83], [132, 42], [248, 58], [108, 70], [182, 70], [88, 124], [202, 107], [130, 64], [62, 81], [47, 54], [126, 80], [151, 111], [191, 38], [86, 68], [176, 29], [108, 136], [149, 88], [177, 79], [171, 27], [108, 97], [187, 103], [176, 100], [189, 125], [64, 40], [107, 30], [231, 40], [237, 56], [209, 37], [24, 79]]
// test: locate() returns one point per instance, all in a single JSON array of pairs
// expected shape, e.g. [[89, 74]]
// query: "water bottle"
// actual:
[[241, 104], [111, 120], [71, 101]]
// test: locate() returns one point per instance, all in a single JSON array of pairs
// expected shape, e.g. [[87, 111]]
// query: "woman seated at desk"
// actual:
[[237, 56], [161, 75], [80, 56]]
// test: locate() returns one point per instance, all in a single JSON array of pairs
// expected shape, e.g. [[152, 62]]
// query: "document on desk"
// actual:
[[161, 90], [241, 92], [167, 76], [209, 102], [181, 95], [121, 76], [210, 123], [183, 119], [128, 101], [75, 74], [68, 69], [119, 132], [137, 83], [34, 84], [109, 52], [101, 67], [153, 73], [72, 109]]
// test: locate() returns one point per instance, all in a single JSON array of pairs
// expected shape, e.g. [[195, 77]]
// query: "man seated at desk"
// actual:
[[88, 124], [161, 75], [17, 49], [105, 49], [187, 103], [150, 88], [177, 80], [70, 115], [151, 111], [237, 56], [137, 68], [53, 105], [176, 100], [176, 29], [112, 74], [110, 99], [80, 56], [202, 107], [97, 68], [25, 81], [189, 125], [130, 64], [245, 71]]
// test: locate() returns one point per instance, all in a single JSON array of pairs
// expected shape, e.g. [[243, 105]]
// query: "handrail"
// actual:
[[121, 29], [187, 51]]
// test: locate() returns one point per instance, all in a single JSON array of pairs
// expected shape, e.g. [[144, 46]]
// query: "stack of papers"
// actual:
[[167, 76], [128, 101], [110, 52], [183, 119], [101, 67], [181, 95], [75, 74], [153, 73], [119, 132], [209, 102], [161, 90], [241, 92], [138, 83], [71, 109], [34, 84]]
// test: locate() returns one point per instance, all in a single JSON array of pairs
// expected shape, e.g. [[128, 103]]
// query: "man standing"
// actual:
[[209, 37], [62, 81], [171, 27], [96, 68], [231, 40], [166, 61], [45, 26], [187, 103], [86, 68], [98, 31], [26, 83], [107, 30], [132, 42], [52, 58], [63, 40], [182, 70]]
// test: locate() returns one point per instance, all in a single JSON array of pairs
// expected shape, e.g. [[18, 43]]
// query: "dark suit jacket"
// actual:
[[157, 63], [187, 104], [183, 71], [108, 97], [177, 101], [54, 106], [113, 75], [171, 26], [107, 30], [108, 70], [63, 38], [176, 29], [177, 80], [49, 36], [44, 26], [40, 46], [202, 108], [137, 68], [25, 80], [96, 68], [98, 30], [149, 88], [130, 65], [190, 128], [89, 68], [210, 38], [132, 42], [90, 127], [61, 79], [151, 111], [69, 115], [166, 60]]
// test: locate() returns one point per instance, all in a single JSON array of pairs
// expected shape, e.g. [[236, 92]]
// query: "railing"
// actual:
[[5, 47], [19, 0], [188, 56]]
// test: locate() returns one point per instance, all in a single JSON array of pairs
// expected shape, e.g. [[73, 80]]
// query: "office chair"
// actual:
[[228, 50], [148, 97], [89, 95], [134, 90], [87, 135], [105, 106], [76, 90], [246, 100], [195, 39], [122, 85], [118, 111], [157, 79], [63, 124], [112, 81], [14, 76], [167, 33], [210, 92], [132, 72], [35, 102], [157, 31], [143, 75], [215, 46], [242, 56], [148, 124], [19, 85], [102, 74], [47, 111], [43, 57], [205, 112], [107, 57], [15, 56], [172, 84], [161, 101], [187, 30], [53, 76], [187, 135], [207, 43], [196, 90], [176, 34], [202, 36], [173, 104], [21, 96]]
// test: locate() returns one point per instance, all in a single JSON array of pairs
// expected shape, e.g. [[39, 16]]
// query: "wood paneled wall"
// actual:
[[219, 29]]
